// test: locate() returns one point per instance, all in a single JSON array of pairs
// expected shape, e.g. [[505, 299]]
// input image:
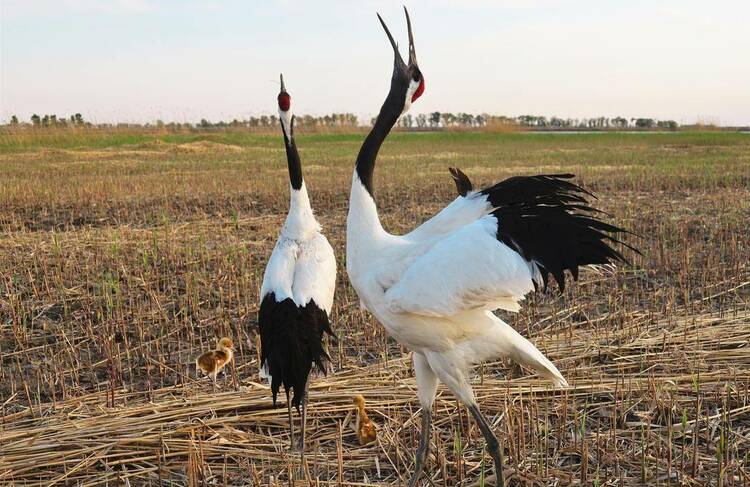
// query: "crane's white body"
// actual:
[[434, 289], [302, 265]]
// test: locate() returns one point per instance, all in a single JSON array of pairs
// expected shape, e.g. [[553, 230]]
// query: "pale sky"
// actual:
[[183, 60]]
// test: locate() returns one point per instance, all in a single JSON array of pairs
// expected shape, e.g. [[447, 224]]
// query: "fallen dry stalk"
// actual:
[[80, 439]]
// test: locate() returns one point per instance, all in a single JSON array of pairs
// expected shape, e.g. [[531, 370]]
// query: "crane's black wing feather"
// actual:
[[547, 219], [291, 339]]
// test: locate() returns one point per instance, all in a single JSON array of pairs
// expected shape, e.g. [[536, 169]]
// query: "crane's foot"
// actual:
[[302, 470], [297, 445], [492, 479], [301, 473]]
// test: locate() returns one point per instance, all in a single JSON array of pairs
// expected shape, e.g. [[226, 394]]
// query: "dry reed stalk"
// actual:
[[76, 438], [120, 263]]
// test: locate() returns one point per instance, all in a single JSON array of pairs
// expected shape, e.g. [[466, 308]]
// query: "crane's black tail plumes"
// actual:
[[549, 222], [291, 339]]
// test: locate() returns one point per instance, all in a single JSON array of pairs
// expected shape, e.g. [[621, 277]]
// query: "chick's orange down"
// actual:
[[211, 363], [366, 432]]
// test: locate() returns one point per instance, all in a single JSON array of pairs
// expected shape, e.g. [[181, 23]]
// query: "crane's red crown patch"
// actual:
[[285, 101]]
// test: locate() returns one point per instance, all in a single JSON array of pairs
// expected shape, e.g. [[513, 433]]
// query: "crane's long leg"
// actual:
[[303, 422], [426, 388], [493, 445], [424, 447], [291, 420], [451, 370]]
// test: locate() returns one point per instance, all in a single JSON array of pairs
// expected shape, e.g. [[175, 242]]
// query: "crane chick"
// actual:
[[213, 362], [366, 432]]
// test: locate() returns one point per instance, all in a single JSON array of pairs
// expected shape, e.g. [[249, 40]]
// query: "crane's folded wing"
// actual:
[[279, 275], [469, 269], [315, 274], [461, 211]]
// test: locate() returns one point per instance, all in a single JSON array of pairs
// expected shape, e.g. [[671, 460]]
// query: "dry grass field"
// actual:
[[123, 255]]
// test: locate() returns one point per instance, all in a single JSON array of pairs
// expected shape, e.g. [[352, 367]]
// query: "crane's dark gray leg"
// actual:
[[303, 422], [427, 383], [451, 369], [291, 420], [424, 446], [493, 445]]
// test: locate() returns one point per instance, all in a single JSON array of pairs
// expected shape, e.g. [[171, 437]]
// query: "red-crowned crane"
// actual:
[[297, 291], [435, 288]]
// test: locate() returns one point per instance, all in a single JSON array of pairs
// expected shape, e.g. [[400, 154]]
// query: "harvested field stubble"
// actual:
[[124, 257]]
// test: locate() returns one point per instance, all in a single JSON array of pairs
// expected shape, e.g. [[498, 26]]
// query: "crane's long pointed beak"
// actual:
[[412, 52], [398, 60], [283, 88]]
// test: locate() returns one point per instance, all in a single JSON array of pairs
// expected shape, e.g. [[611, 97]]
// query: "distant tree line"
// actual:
[[441, 120], [76, 120], [434, 120], [446, 120], [47, 120], [595, 123], [332, 120]]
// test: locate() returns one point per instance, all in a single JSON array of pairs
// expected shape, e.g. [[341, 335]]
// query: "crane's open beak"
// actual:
[[399, 66], [412, 52]]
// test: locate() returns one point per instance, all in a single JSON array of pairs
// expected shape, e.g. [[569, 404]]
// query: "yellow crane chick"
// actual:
[[366, 432], [213, 362]]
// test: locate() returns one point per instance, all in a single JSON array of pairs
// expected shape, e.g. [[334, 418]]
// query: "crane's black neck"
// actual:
[[389, 113], [292, 156]]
